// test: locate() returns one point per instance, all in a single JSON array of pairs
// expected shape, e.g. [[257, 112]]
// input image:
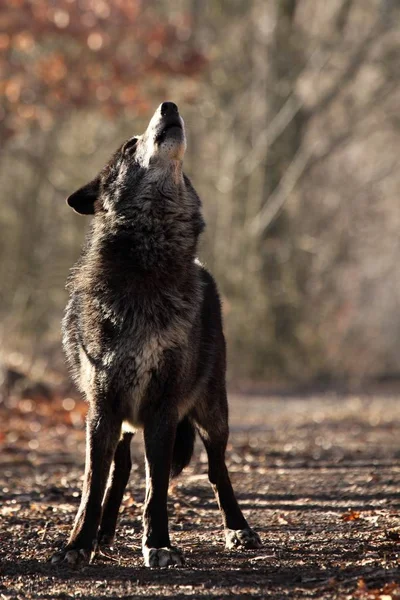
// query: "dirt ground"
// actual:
[[318, 477]]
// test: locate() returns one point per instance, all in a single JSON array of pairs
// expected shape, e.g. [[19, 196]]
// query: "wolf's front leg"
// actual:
[[103, 432], [113, 497], [159, 438]]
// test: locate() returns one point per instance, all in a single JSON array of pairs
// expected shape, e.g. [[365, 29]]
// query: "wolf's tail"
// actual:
[[183, 448]]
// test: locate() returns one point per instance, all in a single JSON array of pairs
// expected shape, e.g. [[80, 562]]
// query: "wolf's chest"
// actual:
[[120, 355], [147, 359], [136, 369]]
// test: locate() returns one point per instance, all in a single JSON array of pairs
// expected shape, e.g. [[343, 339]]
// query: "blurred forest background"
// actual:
[[293, 124]]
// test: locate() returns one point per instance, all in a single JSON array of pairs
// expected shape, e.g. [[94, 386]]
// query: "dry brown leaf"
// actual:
[[361, 585], [352, 515]]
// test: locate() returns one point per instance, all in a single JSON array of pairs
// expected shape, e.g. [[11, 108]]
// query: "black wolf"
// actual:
[[143, 336]]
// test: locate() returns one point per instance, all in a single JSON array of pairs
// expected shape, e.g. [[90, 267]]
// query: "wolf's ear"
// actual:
[[82, 201]]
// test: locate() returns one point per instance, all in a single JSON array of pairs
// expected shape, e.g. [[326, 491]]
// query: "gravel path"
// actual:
[[318, 477]]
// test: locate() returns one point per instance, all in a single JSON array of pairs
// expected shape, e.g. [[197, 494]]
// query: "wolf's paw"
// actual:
[[105, 542], [106, 548], [162, 557], [72, 557], [242, 539]]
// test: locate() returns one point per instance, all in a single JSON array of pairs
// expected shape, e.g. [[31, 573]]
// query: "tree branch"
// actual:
[[282, 192]]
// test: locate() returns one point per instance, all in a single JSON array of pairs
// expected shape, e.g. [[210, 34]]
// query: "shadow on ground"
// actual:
[[319, 478]]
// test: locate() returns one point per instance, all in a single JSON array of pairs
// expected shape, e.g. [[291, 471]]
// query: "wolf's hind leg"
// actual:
[[103, 432], [214, 432], [121, 470]]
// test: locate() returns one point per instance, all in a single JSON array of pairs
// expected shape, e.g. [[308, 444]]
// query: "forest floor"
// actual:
[[318, 476]]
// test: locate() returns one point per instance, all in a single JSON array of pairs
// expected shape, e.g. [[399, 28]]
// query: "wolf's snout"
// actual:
[[164, 138], [169, 109]]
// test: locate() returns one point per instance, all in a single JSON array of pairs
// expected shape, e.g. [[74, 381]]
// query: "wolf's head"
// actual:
[[155, 156], [146, 210]]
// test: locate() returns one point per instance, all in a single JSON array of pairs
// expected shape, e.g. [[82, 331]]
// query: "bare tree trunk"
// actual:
[[277, 245]]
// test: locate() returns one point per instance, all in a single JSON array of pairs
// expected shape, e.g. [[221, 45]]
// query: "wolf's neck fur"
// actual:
[[162, 171], [151, 246]]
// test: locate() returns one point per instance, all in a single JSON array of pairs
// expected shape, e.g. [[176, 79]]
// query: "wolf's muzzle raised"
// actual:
[[169, 109], [170, 122]]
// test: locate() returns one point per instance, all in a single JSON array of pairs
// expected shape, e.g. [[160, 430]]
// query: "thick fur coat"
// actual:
[[143, 337]]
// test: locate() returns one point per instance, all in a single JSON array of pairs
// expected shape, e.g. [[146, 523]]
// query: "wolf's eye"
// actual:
[[129, 145]]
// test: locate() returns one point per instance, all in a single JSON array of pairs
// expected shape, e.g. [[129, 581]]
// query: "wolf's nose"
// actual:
[[168, 109]]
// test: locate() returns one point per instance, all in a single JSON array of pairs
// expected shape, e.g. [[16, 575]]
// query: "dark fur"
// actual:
[[143, 336]]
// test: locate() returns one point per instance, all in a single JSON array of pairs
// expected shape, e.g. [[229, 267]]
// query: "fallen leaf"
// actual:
[[351, 515]]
